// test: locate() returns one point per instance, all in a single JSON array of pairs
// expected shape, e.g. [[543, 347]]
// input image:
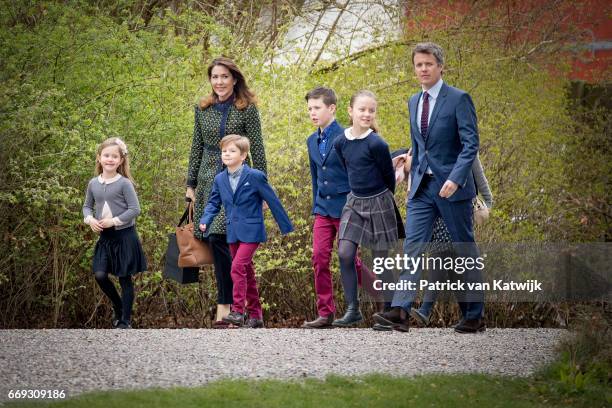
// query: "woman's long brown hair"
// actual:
[[243, 96]]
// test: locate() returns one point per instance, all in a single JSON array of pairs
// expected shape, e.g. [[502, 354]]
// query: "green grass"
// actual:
[[369, 391]]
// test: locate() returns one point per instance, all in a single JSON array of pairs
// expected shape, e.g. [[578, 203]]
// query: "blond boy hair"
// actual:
[[241, 142]]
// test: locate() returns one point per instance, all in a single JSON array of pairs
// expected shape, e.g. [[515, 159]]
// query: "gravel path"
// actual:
[[83, 360]]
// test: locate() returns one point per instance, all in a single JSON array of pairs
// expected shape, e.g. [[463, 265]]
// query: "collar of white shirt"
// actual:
[[102, 180], [349, 135], [435, 90]]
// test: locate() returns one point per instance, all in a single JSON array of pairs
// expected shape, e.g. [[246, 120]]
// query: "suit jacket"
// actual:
[[243, 209], [328, 175], [452, 142]]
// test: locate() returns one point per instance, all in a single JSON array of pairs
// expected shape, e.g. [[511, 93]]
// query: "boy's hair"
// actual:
[[369, 94], [124, 168], [241, 142], [327, 94]]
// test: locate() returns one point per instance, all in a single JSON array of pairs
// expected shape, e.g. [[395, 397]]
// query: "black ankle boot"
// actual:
[[116, 317], [351, 317]]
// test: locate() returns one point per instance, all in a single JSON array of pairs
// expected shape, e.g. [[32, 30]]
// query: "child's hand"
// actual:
[[203, 227], [95, 225], [265, 206], [107, 223]]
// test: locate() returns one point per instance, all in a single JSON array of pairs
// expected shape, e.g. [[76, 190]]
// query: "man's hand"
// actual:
[[203, 227], [448, 189]]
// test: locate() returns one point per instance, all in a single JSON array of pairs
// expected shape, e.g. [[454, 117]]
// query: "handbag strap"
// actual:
[[190, 210], [188, 213]]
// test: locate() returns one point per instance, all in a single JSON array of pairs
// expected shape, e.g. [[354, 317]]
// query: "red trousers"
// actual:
[[245, 291], [324, 233]]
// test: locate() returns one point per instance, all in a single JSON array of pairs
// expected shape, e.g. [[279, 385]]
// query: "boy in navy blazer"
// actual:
[[242, 191], [329, 190]]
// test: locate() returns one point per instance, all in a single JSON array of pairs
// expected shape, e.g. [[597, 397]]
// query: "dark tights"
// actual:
[[121, 305], [346, 253]]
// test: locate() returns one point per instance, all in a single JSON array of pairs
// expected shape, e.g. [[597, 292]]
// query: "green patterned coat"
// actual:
[[205, 158]]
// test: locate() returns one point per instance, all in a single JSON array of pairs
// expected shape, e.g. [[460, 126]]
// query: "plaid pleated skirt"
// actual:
[[119, 252], [372, 222]]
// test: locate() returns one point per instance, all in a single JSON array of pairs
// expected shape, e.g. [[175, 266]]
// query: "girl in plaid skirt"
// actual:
[[370, 217]]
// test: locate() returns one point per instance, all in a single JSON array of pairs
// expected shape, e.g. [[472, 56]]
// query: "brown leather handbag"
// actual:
[[192, 251]]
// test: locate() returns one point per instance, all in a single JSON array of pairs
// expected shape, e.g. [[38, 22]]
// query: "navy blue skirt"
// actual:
[[119, 252]]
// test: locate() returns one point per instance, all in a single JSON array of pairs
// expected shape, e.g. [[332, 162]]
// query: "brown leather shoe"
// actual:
[[396, 318], [471, 326], [321, 322]]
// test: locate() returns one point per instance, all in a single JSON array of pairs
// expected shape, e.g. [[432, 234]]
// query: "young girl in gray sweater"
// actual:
[[110, 209]]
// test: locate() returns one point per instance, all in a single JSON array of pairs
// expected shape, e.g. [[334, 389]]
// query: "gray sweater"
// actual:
[[482, 184], [120, 198]]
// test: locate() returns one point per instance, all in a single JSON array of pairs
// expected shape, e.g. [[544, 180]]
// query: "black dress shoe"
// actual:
[[396, 318], [380, 327], [235, 318], [254, 324], [351, 317], [471, 326], [460, 322], [321, 322]]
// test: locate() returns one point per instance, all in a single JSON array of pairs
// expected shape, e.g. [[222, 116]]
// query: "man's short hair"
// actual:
[[327, 94], [241, 142], [431, 49]]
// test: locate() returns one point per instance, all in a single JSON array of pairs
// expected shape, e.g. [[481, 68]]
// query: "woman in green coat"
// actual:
[[229, 109]]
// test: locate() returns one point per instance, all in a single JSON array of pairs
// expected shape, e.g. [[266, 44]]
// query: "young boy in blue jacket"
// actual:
[[242, 191]]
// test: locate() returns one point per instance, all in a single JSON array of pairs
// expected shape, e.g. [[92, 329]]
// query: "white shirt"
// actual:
[[349, 134], [433, 93]]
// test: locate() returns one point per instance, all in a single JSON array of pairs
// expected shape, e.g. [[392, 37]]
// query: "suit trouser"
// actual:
[[421, 213], [243, 276], [324, 233]]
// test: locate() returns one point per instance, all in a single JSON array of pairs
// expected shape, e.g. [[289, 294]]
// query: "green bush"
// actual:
[[72, 75]]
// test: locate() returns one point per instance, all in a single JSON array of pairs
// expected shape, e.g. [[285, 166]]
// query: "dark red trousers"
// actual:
[[245, 293], [324, 233]]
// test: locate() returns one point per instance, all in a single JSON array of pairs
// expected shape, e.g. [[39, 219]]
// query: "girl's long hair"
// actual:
[[124, 168], [243, 96], [369, 94]]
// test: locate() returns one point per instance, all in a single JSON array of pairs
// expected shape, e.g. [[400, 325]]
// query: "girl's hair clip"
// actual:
[[122, 146]]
